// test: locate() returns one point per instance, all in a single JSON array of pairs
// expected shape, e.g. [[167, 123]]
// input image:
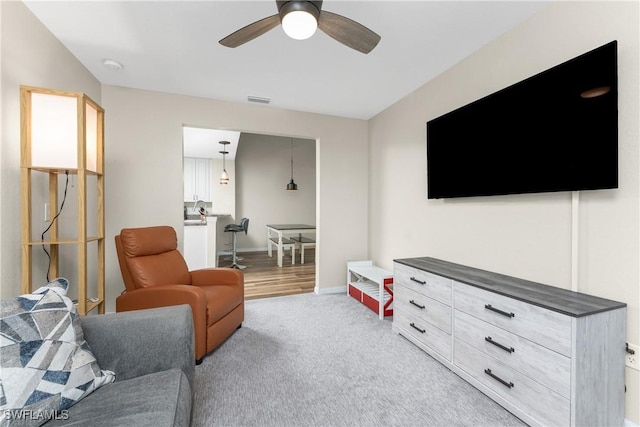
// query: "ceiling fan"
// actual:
[[300, 19]]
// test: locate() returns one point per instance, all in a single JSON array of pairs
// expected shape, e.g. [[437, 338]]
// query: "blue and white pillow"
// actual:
[[46, 364]]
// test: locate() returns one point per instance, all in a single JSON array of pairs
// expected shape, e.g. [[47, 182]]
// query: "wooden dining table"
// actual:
[[279, 231]]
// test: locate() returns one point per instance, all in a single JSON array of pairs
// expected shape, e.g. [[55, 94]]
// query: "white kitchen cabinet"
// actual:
[[197, 179]]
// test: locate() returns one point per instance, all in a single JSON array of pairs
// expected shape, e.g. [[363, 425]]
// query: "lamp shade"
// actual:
[[292, 186], [224, 178], [64, 130]]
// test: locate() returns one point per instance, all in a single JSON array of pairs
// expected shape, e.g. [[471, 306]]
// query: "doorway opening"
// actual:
[[259, 170]]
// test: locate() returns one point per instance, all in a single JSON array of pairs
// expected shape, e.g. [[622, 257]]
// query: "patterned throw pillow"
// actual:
[[46, 366]]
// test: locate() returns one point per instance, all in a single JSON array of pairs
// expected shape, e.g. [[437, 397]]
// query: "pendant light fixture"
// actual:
[[224, 178], [292, 186]]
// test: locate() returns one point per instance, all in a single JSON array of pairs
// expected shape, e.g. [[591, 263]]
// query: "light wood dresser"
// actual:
[[548, 355]]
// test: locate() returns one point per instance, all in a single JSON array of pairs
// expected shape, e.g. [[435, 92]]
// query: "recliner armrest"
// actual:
[[217, 277], [141, 342], [170, 295]]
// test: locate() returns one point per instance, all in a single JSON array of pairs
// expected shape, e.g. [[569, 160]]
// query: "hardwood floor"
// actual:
[[263, 278]]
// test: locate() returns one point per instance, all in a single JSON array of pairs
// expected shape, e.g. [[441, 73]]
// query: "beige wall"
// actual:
[[31, 56], [143, 175], [263, 170], [528, 236]]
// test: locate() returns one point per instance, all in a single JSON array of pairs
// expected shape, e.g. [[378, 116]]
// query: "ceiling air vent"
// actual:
[[258, 99]]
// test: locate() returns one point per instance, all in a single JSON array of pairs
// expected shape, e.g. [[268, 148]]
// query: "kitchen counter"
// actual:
[[194, 219]]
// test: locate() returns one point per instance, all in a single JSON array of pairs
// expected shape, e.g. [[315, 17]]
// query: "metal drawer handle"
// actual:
[[413, 325], [422, 307], [504, 347], [418, 281], [504, 313], [497, 378]]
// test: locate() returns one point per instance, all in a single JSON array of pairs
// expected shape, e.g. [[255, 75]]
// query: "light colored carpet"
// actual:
[[309, 360]]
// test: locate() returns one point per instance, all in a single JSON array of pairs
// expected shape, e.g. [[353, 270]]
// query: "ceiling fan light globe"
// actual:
[[299, 25]]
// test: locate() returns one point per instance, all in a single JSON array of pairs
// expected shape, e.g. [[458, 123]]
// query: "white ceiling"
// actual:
[[172, 46], [205, 143]]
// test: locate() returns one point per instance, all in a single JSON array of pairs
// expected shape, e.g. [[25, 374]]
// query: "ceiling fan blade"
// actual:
[[348, 32], [250, 32]]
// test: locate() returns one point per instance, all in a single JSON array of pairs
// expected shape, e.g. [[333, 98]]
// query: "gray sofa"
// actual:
[[152, 353]]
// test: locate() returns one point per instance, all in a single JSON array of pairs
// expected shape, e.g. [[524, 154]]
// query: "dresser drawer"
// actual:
[[545, 366], [532, 398], [431, 285], [426, 333], [434, 312], [547, 328]]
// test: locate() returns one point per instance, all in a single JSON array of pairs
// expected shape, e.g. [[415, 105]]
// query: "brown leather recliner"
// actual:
[[155, 275]]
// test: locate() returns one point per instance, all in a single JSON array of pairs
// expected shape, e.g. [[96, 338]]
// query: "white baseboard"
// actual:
[[264, 249], [629, 423], [226, 253], [327, 291]]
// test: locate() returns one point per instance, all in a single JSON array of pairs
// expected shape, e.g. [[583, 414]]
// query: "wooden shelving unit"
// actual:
[[80, 154]]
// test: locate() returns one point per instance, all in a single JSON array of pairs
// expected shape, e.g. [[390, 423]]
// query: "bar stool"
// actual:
[[235, 228]]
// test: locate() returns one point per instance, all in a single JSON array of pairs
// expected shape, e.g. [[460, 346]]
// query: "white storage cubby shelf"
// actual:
[[366, 283]]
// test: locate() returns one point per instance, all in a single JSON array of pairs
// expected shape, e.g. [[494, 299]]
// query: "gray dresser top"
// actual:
[[556, 299]]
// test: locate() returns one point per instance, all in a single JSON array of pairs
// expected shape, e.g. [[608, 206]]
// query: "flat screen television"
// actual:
[[555, 131]]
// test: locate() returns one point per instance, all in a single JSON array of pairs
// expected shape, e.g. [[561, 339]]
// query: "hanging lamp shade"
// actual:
[[292, 186], [224, 178]]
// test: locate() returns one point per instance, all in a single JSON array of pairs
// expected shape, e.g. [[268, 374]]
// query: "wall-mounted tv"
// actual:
[[555, 131]]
